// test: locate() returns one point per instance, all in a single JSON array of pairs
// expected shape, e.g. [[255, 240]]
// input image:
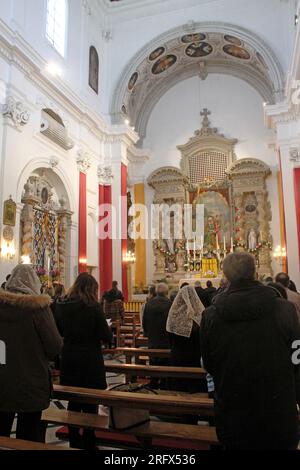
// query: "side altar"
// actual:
[[236, 213]]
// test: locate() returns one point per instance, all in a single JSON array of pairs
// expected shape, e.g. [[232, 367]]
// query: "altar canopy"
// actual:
[[235, 201]]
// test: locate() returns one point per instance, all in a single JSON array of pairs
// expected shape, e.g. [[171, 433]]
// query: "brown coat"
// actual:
[[29, 332], [114, 310]]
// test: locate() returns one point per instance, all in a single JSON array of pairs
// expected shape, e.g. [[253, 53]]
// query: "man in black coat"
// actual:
[[210, 292], [202, 294], [154, 326], [246, 343]]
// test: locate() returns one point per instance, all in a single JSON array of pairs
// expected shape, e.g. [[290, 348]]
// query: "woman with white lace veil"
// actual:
[[183, 326]]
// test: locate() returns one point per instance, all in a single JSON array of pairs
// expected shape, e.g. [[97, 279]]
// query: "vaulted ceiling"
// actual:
[[210, 48]]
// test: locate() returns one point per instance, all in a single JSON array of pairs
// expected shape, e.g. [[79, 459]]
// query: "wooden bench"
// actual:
[[170, 404], [140, 370], [7, 443], [139, 354], [141, 341], [202, 436]]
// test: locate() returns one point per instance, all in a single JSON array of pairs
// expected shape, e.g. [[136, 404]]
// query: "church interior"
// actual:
[[112, 109]]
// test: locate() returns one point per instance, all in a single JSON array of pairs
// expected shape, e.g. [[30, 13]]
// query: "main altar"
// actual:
[[236, 208]]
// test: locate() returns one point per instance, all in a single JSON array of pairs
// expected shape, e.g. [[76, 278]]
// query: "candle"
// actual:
[[231, 245], [224, 239], [217, 243]]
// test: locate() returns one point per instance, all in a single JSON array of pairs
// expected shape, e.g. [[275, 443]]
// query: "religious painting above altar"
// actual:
[[235, 205], [217, 220]]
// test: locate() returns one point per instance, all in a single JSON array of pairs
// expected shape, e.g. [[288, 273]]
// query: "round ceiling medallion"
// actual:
[[133, 80], [233, 40], [236, 51], [163, 64], [156, 53], [199, 49], [197, 37]]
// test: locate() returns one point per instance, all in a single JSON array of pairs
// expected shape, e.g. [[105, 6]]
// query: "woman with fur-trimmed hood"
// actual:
[[31, 340]]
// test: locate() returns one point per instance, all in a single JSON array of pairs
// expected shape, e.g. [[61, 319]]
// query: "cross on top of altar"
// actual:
[[206, 122], [206, 130]]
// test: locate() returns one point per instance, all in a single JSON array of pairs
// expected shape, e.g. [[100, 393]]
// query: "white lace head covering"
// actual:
[[186, 308], [24, 280]]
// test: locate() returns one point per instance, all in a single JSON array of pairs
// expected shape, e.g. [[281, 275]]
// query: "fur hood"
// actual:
[[34, 302]]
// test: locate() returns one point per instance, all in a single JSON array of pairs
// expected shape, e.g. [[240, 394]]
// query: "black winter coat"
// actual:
[[154, 322], [83, 328], [246, 339]]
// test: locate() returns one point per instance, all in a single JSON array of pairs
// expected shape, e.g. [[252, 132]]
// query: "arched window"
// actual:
[[56, 24], [94, 69]]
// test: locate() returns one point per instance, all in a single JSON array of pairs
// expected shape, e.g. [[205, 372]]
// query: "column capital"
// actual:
[[15, 112], [105, 174], [83, 161]]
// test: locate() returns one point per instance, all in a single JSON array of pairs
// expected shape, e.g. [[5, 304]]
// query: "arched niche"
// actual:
[[45, 223]]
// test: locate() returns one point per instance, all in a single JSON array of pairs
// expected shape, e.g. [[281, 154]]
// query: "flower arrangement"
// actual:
[[54, 274]]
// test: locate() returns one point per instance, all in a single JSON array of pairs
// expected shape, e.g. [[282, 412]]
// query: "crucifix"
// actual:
[[205, 113]]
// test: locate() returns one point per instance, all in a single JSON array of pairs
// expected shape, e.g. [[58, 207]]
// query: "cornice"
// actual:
[[15, 50], [281, 113]]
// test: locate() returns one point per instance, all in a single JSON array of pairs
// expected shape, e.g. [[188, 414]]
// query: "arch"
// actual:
[[269, 82], [58, 177]]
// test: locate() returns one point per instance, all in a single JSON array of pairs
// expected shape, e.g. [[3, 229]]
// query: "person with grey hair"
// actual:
[[28, 329], [246, 343], [154, 326], [294, 297]]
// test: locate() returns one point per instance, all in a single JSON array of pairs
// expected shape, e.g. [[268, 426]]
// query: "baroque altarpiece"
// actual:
[[233, 193]]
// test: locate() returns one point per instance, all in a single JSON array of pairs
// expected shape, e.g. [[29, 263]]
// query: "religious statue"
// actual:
[[211, 233], [180, 260], [252, 239], [160, 261]]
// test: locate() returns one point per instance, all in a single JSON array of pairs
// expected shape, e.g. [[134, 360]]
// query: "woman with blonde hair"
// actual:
[[183, 326]]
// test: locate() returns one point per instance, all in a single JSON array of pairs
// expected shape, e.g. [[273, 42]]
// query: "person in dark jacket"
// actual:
[[183, 327], [210, 291], [204, 298], [83, 326], [117, 290], [246, 342], [154, 327], [28, 330]]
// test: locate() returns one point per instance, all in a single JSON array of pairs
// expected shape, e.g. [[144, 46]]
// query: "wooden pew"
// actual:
[[156, 404], [141, 341], [140, 370], [203, 436], [7, 443], [138, 353]]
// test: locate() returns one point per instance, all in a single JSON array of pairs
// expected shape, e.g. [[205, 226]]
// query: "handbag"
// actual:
[[127, 418]]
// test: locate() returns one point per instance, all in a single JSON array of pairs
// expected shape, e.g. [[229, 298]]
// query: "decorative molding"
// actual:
[[15, 50], [53, 162], [295, 154], [281, 113], [86, 7], [105, 174], [16, 112], [107, 35], [248, 166], [83, 161]]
